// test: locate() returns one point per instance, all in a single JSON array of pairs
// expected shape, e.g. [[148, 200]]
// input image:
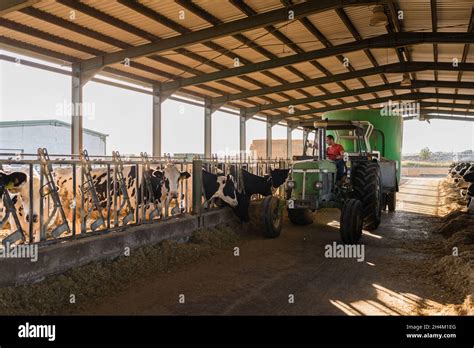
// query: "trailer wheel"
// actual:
[[392, 201], [351, 221], [300, 217], [271, 217], [366, 182]]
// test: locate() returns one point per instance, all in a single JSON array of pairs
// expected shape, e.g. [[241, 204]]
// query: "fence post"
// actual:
[[197, 186]]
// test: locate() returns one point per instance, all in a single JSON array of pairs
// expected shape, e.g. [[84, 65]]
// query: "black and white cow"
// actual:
[[164, 185], [457, 171], [21, 197], [469, 178], [219, 186], [222, 187]]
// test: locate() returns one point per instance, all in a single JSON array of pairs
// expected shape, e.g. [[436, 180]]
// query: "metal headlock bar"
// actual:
[[88, 190], [10, 209], [148, 198], [125, 199], [47, 173], [117, 192]]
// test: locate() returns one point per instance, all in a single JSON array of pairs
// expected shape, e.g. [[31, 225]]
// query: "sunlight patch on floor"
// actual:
[[420, 196]]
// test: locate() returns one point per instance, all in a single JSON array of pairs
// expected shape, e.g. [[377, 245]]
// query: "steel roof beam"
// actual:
[[437, 105], [318, 35], [226, 29], [407, 96], [390, 68], [7, 6], [439, 117], [200, 12], [384, 41], [359, 91]]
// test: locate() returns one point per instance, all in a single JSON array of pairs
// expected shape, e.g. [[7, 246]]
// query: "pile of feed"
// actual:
[[98, 279], [455, 265]]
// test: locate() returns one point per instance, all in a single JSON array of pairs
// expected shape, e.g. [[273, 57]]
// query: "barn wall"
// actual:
[[58, 258], [56, 139]]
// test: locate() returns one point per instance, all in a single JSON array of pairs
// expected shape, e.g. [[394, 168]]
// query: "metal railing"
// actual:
[[70, 198]]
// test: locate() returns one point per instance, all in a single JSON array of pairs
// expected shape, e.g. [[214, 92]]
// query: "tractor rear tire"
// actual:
[[272, 217], [300, 217], [366, 182], [351, 221], [392, 201]]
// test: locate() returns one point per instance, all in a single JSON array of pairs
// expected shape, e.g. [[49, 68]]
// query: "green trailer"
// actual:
[[385, 139]]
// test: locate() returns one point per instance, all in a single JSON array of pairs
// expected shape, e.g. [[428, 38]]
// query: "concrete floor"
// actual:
[[392, 280]]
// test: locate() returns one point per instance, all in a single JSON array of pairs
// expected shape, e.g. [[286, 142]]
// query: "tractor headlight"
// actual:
[[318, 185], [291, 184]]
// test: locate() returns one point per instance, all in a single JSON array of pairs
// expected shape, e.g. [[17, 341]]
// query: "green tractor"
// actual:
[[360, 194]]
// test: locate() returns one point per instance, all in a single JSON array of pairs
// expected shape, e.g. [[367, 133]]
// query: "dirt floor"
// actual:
[[408, 269]]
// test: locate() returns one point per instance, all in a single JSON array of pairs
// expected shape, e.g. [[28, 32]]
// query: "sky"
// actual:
[[33, 94]]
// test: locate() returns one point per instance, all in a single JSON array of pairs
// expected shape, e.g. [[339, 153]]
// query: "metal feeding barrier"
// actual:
[[147, 191], [125, 204], [88, 189], [52, 191], [85, 195], [10, 210]]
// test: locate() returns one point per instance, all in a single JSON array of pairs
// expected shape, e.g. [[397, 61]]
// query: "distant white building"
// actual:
[[54, 135]]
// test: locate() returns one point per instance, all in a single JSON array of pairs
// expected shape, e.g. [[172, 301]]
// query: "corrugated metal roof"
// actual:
[[119, 25]]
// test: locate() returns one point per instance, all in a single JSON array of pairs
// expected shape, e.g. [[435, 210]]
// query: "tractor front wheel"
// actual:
[[351, 221]]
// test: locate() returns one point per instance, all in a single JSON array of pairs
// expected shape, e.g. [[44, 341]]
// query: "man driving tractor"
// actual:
[[335, 152]]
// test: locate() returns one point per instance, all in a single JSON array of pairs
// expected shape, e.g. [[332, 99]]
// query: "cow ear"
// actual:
[[157, 174], [15, 180], [184, 175]]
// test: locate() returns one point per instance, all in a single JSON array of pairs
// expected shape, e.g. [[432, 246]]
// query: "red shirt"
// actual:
[[333, 151]]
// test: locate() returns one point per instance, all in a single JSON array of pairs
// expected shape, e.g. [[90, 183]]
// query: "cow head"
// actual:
[[469, 177], [279, 177], [242, 208], [229, 190], [157, 181], [171, 178], [26, 198], [13, 182]]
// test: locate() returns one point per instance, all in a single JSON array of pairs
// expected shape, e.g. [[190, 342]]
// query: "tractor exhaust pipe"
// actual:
[[322, 143]]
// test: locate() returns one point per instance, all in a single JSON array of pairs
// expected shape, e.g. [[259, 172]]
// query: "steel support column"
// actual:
[[269, 137], [156, 122], [76, 113], [242, 133], [79, 79], [289, 141], [207, 128]]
